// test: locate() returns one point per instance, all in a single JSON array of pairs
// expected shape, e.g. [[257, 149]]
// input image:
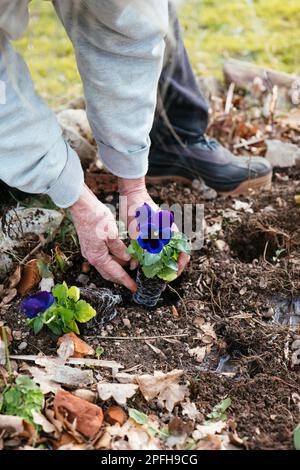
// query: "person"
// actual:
[[119, 47], [180, 150]]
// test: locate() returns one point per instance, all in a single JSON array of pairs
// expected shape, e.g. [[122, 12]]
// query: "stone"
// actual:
[[83, 279], [19, 222], [22, 346], [282, 154]]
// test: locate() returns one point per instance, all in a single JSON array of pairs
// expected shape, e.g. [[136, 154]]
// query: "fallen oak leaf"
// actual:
[[189, 409], [119, 392], [164, 387]]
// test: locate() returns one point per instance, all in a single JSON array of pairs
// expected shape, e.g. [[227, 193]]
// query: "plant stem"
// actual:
[[8, 364]]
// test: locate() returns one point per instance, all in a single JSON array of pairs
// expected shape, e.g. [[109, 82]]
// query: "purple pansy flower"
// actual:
[[37, 303], [154, 228]]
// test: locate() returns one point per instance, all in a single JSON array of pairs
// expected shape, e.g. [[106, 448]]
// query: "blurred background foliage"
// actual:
[[263, 31]]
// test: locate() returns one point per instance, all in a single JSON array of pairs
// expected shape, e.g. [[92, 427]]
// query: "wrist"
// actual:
[[128, 186], [86, 200]]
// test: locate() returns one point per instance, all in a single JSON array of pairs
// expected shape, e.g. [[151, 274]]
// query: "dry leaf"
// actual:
[[11, 424], [42, 378], [81, 349], [175, 313], [89, 417], [119, 392], [40, 419], [15, 278], [132, 436], [8, 333], [115, 414], [210, 442], [66, 349], [30, 277], [165, 387], [198, 353], [189, 409], [9, 295], [204, 430]]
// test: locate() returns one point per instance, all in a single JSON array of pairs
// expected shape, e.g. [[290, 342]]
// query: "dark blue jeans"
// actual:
[[182, 110]]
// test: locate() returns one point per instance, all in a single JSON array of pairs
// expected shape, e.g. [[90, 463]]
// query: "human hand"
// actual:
[[99, 241], [134, 194]]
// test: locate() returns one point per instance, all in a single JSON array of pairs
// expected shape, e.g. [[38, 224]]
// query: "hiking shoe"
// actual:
[[217, 166]]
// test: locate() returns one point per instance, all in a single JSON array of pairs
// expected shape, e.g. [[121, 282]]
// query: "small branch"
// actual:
[[141, 338], [229, 98], [8, 364]]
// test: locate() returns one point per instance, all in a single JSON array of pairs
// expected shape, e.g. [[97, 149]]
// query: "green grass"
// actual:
[[262, 31]]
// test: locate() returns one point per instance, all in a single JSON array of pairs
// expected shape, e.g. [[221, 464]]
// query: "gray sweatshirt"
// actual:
[[119, 46]]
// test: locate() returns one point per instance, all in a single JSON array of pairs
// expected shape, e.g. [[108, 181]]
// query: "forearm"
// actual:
[[119, 48]]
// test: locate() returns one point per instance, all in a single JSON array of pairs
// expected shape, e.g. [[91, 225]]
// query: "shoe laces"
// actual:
[[209, 144]]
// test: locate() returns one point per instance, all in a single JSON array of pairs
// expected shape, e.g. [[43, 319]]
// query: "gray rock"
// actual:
[[83, 279], [210, 86], [19, 222], [22, 346], [282, 154]]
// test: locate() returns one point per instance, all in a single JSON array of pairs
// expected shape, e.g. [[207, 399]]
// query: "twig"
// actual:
[[8, 364], [177, 293], [247, 143], [141, 338], [32, 252], [229, 98]]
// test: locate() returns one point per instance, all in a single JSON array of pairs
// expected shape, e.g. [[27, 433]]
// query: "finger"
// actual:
[[133, 264], [118, 249], [120, 261], [182, 262], [112, 271]]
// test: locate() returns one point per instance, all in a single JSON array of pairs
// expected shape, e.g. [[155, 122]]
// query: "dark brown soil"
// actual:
[[233, 290]]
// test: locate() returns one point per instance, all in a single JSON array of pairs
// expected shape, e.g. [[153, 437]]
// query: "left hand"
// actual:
[[136, 195]]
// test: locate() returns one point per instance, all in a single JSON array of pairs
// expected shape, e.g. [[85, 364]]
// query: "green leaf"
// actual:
[[171, 264], [60, 292], [72, 326], [167, 274], [55, 328], [74, 293], [99, 351], [152, 271], [152, 258], [44, 269], [66, 314], [297, 437], [23, 398], [37, 324], [84, 311], [138, 416], [218, 412]]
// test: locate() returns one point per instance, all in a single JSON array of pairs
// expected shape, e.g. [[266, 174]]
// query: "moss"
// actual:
[[263, 31]]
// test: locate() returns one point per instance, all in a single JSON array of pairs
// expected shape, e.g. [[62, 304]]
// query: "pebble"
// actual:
[[126, 322], [17, 335], [269, 313], [22, 346], [83, 279]]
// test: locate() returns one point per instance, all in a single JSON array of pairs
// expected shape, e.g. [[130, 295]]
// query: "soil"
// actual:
[[235, 289]]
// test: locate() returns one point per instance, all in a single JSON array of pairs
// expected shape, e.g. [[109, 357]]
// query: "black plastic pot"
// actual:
[[149, 290], [104, 302]]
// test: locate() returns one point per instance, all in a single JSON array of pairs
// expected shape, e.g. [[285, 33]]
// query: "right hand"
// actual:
[[99, 241]]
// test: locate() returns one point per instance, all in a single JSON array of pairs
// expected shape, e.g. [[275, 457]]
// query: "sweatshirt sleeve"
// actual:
[[119, 46], [33, 154]]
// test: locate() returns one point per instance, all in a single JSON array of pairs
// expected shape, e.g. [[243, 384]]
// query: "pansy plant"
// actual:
[[60, 310], [157, 246]]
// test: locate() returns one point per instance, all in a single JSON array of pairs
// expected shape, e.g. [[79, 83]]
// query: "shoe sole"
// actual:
[[263, 182]]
